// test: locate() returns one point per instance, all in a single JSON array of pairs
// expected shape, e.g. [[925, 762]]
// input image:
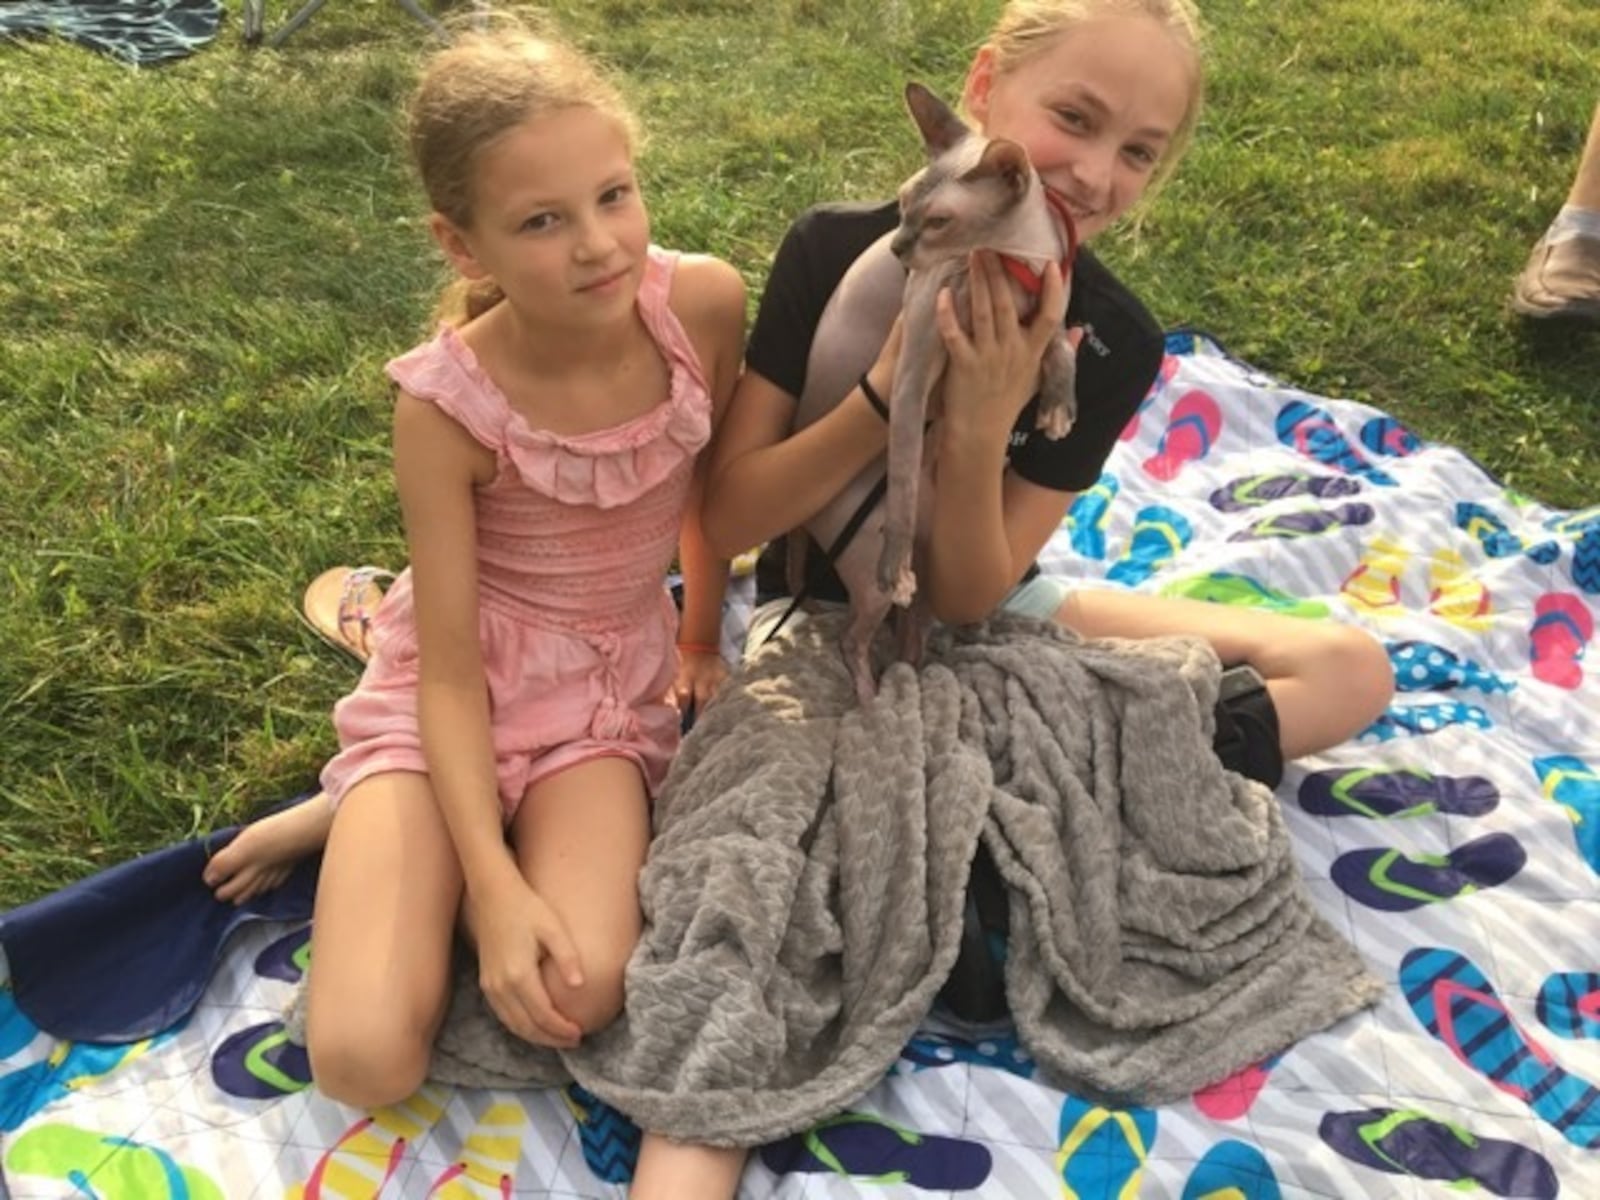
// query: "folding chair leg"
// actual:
[[254, 19], [427, 18], [300, 18]]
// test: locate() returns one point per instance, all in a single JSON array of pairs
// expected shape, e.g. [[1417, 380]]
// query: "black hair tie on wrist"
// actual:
[[871, 393]]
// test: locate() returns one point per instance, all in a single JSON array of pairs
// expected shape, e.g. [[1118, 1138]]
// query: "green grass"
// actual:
[[207, 264]]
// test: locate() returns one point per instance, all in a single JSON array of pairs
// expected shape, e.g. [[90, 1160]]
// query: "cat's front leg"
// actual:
[[1058, 388], [921, 363]]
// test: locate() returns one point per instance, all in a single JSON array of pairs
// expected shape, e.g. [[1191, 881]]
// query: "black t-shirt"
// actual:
[[1117, 362]]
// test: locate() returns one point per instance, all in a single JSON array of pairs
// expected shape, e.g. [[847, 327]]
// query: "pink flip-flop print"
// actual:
[[1230, 1098], [1192, 429], [1561, 632], [1169, 368]]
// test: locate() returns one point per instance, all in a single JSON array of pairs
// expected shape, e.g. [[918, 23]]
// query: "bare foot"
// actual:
[[263, 853], [672, 1169]]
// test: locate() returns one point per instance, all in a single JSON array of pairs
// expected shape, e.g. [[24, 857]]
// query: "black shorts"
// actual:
[[1248, 739], [1246, 742]]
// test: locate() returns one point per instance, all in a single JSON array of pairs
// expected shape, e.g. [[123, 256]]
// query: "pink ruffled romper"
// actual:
[[575, 535]]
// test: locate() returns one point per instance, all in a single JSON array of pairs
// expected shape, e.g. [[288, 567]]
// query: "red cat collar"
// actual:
[[1030, 280]]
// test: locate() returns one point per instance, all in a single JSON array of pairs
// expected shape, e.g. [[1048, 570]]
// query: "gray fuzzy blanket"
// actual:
[[803, 896]]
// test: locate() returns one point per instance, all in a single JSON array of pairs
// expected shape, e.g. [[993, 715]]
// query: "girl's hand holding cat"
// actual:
[[994, 369]]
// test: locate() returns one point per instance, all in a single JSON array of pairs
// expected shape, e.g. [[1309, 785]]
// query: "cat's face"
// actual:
[[970, 186]]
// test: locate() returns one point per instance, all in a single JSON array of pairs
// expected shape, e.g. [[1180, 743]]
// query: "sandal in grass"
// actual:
[[340, 604]]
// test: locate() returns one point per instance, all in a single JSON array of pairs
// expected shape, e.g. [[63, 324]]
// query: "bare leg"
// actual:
[[1562, 276], [1327, 681], [1585, 191], [671, 1170], [263, 853], [381, 938], [580, 838]]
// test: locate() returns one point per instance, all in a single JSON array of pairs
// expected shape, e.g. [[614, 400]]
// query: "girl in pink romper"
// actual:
[[575, 535], [499, 754]]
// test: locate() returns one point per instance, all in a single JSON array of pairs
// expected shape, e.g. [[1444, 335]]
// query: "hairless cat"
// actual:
[[975, 193]]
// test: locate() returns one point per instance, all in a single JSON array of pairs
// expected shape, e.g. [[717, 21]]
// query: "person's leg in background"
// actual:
[[1562, 277], [1326, 681]]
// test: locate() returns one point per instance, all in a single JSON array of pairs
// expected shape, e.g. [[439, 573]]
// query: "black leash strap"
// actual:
[[851, 528]]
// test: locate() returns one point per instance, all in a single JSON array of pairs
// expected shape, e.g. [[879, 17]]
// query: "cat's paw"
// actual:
[[1058, 397], [895, 578], [905, 587], [1056, 422]]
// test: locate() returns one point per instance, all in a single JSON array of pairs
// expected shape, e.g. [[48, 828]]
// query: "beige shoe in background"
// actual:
[[1561, 281]]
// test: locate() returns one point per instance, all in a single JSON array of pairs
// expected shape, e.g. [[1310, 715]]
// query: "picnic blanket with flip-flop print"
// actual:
[[1456, 843]]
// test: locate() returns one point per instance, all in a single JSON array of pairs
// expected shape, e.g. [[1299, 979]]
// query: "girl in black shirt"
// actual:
[[1103, 94]]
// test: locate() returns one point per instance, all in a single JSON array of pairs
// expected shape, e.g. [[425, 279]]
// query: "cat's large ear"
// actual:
[[941, 128], [1006, 161]]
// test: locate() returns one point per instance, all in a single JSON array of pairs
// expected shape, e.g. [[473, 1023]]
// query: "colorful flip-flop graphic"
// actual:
[[16, 1031], [1304, 523], [1385, 792], [1420, 720], [1455, 595], [1454, 1002], [1583, 527], [488, 1158], [1374, 585], [1003, 1052], [356, 1167], [1226, 587], [1192, 429], [1103, 1150], [68, 1067], [368, 1154], [260, 1063], [286, 958], [1254, 491], [1426, 667], [1313, 432], [1496, 538], [1586, 561], [1232, 1170], [1131, 429], [868, 1148], [1090, 514], [106, 1167], [1231, 1098], [1559, 638], [1574, 785], [1393, 882], [1575, 523], [1569, 1004], [1159, 536], [1386, 436], [1404, 1141], [610, 1140], [1164, 374]]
